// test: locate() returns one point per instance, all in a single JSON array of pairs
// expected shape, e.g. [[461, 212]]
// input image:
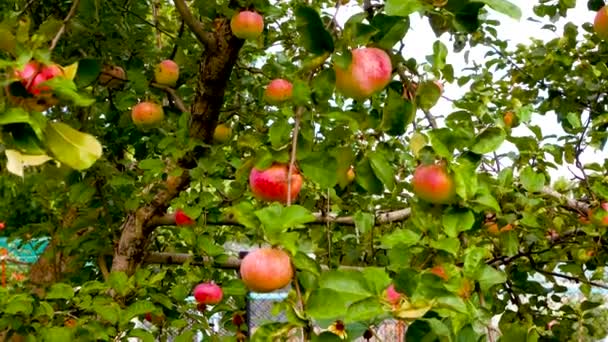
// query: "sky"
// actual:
[[419, 43]]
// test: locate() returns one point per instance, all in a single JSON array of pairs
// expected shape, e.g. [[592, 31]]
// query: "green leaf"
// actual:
[[326, 336], [474, 261], [382, 169], [78, 150], [402, 8], [364, 310], [138, 308], [142, 334], [57, 334], [450, 245], [268, 332], [244, 214], [305, 263], [457, 220], [277, 218], [404, 237], [489, 140], [60, 291], [320, 167], [427, 95], [119, 282], [351, 284], [489, 277], [366, 177], [377, 279], [465, 178], [313, 35], [279, 133], [19, 115], [88, 71], [317, 304], [301, 93], [504, 7], [108, 312], [66, 89], [20, 303], [363, 221], [531, 180], [397, 114]]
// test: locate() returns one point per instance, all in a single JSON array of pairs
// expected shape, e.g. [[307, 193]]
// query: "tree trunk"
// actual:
[[215, 67]]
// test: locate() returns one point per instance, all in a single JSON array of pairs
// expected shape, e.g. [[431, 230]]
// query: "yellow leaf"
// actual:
[[17, 161], [70, 71]]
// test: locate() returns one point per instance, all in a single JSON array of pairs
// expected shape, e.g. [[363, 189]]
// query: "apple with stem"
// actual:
[[271, 184]]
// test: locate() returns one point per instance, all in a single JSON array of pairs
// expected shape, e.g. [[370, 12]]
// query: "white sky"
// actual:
[[419, 43]]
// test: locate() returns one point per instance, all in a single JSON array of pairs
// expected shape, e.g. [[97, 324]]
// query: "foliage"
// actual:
[[104, 190]]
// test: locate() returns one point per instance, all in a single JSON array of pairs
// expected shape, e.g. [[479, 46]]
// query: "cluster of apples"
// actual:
[[33, 77]]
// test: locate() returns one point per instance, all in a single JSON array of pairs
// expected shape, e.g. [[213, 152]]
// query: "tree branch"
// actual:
[[179, 103], [572, 278], [195, 26], [71, 13]]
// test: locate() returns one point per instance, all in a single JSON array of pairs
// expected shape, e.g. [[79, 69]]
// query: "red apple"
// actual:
[[2, 225], [600, 25], [208, 293], [392, 296], [166, 73], [433, 184], [181, 219], [112, 76], [271, 184], [146, 114], [30, 70], [46, 73], [278, 90], [369, 72], [247, 25], [266, 270]]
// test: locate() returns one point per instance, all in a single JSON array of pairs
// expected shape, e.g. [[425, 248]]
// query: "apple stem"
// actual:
[[71, 13], [294, 147]]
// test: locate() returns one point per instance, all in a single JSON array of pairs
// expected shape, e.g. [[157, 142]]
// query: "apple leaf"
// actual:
[[277, 218], [66, 89], [363, 221], [377, 279], [489, 277], [363, 310], [391, 29], [60, 291], [382, 169], [489, 140], [313, 35], [366, 177], [474, 261], [76, 149], [397, 113], [403, 8], [504, 7], [427, 94], [457, 220], [320, 167], [404, 237], [305, 263], [531, 180], [17, 161], [449, 244], [88, 71], [19, 115], [350, 283]]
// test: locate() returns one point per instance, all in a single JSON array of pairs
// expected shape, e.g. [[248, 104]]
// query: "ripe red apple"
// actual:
[[147, 114], [350, 174], [222, 133], [247, 25], [30, 70], [266, 270], [2, 225], [112, 76], [600, 25], [208, 293], [45, 74], [271, 184], [278, 90], [433, 184], [181, 219], [369, 72], [166, 73], [392, 296]]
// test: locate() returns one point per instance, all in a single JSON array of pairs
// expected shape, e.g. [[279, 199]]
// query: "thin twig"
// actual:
[[294, 147], [71, 13], [572, 278], [155, 8]]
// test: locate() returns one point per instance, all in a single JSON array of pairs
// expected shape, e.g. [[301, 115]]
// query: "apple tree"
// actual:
[[163, 149]]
